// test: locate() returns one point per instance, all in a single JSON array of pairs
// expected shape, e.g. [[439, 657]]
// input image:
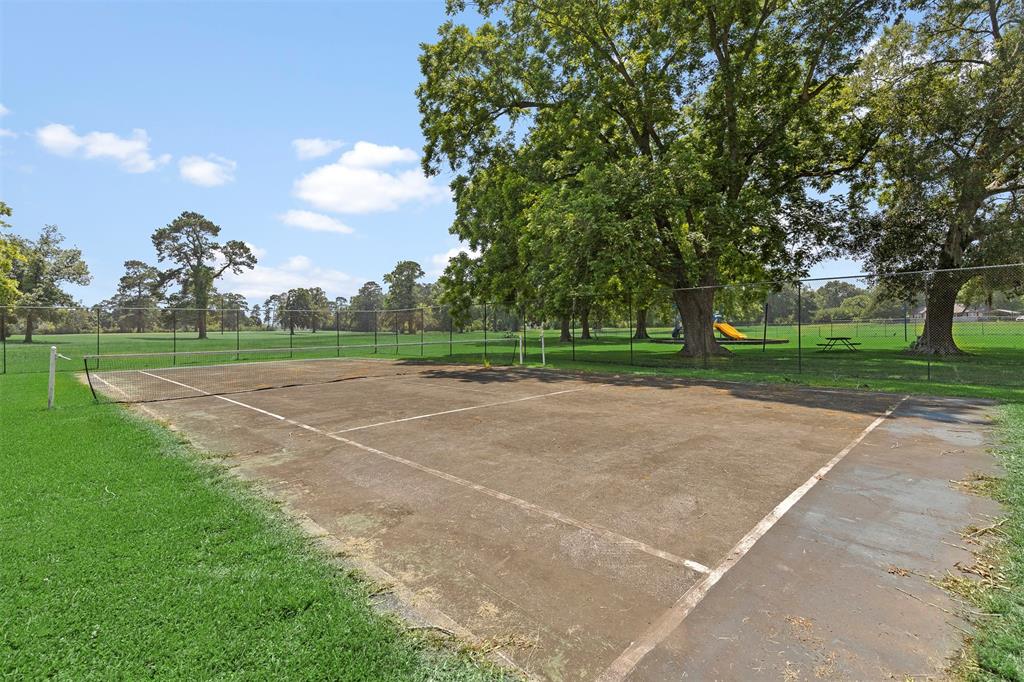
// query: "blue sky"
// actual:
[[292, 125]]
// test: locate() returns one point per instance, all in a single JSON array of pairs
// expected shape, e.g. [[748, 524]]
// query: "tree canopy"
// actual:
[[10, 254], [948, 171], [46, 268], [679, 141], [189, 243]]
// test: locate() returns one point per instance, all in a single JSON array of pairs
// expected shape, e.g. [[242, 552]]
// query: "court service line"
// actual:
[[605, 533], [622, 666], [464, 409]]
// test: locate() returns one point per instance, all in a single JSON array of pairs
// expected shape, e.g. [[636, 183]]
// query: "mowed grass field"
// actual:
[[128, 555], [990, 367]]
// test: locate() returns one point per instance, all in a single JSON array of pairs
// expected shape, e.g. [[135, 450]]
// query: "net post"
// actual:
[[88, 377], [543, 360], [522, 340], [799, 327], [52, 379]]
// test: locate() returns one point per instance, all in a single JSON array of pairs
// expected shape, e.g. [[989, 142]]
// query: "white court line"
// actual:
[[464, 409], [609, 535], [622, 666]]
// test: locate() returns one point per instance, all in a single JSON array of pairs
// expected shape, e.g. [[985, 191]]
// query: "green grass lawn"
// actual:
[[996, 651], [126, 555]]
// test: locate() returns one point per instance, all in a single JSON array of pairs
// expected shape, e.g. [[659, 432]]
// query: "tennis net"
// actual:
[[149, 377]]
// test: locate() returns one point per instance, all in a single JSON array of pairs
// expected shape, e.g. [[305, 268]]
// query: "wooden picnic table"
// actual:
[[840, 342]]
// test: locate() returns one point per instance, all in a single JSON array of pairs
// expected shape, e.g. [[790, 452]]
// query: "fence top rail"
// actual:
[[863, 275]]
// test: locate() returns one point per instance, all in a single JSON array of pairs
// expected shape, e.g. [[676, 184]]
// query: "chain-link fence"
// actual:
[[958, 326]]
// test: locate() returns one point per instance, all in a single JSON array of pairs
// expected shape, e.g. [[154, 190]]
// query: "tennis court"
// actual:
[[578, 524]]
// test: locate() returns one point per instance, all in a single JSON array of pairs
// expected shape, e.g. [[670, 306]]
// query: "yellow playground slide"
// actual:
[[730, 331]]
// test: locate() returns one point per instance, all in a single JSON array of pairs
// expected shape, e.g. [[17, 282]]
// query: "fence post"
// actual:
[[485, 332], [906, 322], [174, 337], [522, 350], [396, 332], [3, 336], [928, 327], [423, 330], [764, 332], [572, 335], [451, 331], [238, 333], [98, 313], [337, 332], [799, 327], [222, 317], [629, 316], [375, 322]]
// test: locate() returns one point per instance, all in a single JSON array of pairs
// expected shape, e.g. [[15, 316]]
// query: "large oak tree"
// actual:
[[189, 242], [948, 171], [685, 139]]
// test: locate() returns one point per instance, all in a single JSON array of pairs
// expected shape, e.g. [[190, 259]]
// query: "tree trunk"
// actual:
[[641, 324], [937, 336], [201, 323], [585, 324], [696, 307], [566, 335], [30, 326], [138, 321]]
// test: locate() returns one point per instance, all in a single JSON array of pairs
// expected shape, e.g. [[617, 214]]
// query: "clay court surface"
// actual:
[[619, 527]]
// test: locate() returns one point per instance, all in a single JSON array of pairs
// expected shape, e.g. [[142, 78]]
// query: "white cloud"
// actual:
[[356, 182], [4, 110], [439, 261], [369, 155], [131, 153], [315, 222], [211, 171], [4, 132], [297, 271], [313, 147]]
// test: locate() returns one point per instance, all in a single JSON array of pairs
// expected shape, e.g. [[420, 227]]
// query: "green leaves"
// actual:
[[189, 244]]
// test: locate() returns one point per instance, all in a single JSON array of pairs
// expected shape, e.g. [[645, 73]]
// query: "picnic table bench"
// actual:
[[841, 342]]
